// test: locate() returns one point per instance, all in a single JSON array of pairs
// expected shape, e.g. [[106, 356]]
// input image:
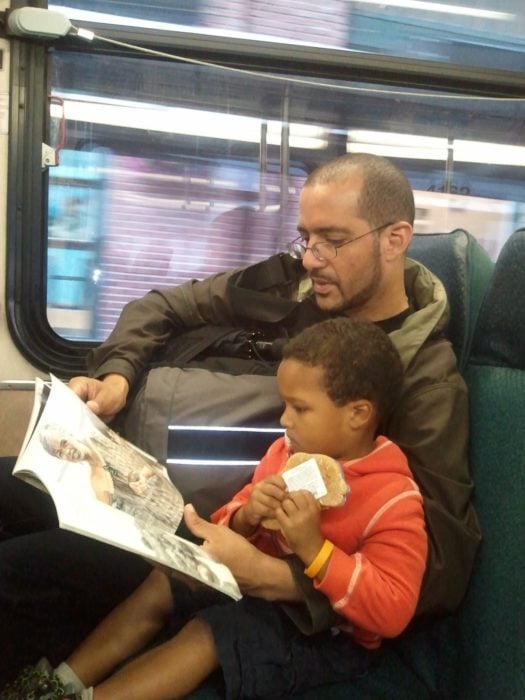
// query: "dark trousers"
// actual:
[[55, 586]]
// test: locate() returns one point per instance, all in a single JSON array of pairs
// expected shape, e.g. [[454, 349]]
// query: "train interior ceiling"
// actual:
[[174, 143]]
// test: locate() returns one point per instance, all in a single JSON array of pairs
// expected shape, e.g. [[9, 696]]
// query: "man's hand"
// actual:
[[257, 573], [105, 397]]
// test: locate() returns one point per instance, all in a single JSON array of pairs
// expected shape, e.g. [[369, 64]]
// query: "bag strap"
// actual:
[[190, 344]]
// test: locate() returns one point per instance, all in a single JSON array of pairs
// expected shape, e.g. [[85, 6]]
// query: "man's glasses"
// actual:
[[324, 250]]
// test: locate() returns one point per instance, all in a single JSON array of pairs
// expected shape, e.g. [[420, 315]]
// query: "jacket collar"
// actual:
[[427, 296], [251, 298]]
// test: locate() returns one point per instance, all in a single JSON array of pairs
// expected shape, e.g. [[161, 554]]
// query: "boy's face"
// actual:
[[313, 422]]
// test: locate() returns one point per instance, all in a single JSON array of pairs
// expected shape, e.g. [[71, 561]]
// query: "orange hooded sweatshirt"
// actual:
[[374, 575]]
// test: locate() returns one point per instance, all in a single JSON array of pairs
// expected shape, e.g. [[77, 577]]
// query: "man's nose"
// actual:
[[310, 262]]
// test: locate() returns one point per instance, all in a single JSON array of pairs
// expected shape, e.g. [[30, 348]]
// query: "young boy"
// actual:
[[339, 380]]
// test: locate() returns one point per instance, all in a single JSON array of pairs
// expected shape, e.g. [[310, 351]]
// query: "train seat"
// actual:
[[477, 653], [490, 629], [465, 268]]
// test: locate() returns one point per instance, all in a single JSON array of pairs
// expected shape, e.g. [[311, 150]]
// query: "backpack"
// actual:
[[171, 397]]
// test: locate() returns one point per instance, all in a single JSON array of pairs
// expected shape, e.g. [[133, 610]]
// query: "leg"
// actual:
[[55, 587], [167, 672], [125, 631]]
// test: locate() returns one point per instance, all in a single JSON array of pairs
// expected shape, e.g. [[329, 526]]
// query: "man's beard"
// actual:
[[362, 297]]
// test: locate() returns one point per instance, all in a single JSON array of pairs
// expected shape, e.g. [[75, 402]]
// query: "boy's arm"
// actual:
[[231, 513], [377, 587], [314, 613]]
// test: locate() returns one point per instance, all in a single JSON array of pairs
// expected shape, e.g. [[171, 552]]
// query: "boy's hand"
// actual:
[[257, 574], [299, 518], [265, 497]]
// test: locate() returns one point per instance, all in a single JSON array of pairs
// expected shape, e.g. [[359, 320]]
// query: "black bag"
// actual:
[[213, 377]]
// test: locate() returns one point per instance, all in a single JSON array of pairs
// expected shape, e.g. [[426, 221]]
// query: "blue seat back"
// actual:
[[491, 624], [465, 269]]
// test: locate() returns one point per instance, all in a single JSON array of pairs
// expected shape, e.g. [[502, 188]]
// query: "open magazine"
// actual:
[[106, 488]]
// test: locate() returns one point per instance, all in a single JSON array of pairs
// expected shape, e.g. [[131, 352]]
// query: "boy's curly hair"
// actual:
[[358, 359]]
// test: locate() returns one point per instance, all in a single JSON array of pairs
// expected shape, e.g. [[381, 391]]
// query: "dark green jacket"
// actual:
[[430, 423]]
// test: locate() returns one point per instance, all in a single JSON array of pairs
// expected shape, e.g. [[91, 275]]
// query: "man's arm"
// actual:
[[234, 297], [263, 576], [145, 325]]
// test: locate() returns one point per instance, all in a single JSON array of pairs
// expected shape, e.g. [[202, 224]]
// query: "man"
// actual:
[[355, 224]]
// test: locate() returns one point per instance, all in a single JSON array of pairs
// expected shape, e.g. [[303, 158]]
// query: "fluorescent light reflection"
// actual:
[[484, 152], [393, 145], [188, 122], [439, 7], [215, 462], [77, 16], [227, 428], [232, 127]]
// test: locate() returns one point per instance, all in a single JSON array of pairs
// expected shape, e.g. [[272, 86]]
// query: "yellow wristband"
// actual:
[[320, 559]]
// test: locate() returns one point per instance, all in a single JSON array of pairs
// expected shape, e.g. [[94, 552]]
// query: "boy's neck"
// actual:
[[361, 447]]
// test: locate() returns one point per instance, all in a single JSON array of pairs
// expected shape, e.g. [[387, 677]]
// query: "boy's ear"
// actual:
[[360, 413]]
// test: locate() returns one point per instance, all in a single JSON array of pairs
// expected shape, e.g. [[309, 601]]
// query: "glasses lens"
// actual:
[[324, 251], [296, 250]]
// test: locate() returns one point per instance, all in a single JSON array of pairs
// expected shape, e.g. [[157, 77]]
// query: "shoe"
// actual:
[[35, 683]]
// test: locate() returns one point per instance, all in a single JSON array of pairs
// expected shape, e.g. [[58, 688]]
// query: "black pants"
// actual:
[[55, 586]]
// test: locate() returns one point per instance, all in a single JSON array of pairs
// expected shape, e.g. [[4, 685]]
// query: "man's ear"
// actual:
[[359, 413], [396, 240]]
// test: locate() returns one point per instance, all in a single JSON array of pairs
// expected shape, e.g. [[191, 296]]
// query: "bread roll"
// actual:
[[333, 478]]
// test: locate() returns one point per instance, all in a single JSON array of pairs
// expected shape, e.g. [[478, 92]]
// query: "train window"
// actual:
[[159, 184], [471, 32], [156, 185], [181, 154]]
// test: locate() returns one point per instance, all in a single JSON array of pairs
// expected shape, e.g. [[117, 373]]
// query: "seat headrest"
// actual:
[[499, 338], [465, 268]]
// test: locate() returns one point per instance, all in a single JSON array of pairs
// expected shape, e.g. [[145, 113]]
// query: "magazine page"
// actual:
[[42, 390], [106, 488]]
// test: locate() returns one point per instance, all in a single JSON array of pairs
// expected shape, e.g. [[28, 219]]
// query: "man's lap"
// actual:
[[23, 508], [55, 586]]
